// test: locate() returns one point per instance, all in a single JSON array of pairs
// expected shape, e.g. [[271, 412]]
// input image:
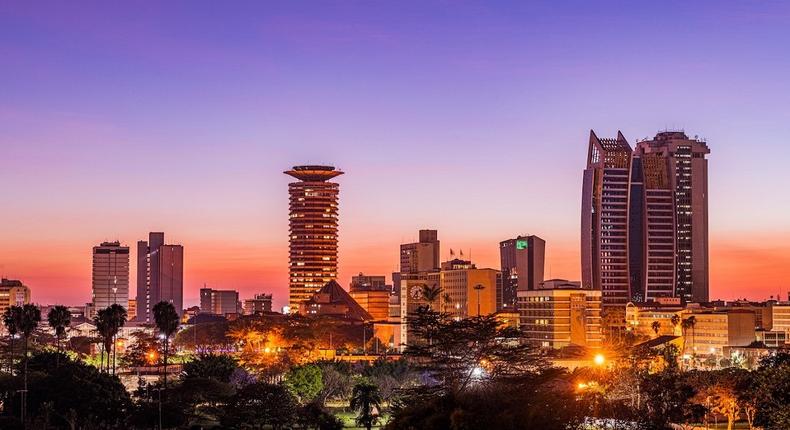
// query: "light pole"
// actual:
[[478, 288]]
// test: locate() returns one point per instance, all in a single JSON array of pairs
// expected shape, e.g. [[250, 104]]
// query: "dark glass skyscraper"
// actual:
[[313, 231]]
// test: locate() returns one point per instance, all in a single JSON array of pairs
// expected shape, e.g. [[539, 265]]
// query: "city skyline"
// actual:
[[496, 117]]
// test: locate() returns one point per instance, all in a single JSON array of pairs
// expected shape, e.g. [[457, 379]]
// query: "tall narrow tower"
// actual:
[[604, 222], [313, 231]]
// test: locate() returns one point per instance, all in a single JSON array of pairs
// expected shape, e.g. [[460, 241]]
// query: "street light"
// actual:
[[599, 359]]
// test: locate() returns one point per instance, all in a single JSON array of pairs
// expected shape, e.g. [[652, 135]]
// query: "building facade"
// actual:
[[219, 302], [259, 304], [313, 226], [160, 276], [522, 264], [645, 219], [422, 256], [561, 317], [372, 293], [466, 290], [604, 235], [110, 280], [13, 293]]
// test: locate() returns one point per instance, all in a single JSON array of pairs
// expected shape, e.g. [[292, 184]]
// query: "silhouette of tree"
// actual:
[[59, 318], [166, 320], [366, 401]]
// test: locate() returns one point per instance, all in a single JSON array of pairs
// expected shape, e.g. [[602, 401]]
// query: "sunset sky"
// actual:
[[468, 117]]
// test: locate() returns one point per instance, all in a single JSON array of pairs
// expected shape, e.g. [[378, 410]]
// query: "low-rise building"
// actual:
[[712, 331], [13, 293], [561, 317], [259, 304]]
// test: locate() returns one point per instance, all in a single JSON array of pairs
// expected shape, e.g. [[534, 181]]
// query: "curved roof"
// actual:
[[313, 173]]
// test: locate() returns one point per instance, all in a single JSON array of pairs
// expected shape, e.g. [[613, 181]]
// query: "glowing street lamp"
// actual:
[[599, 360]]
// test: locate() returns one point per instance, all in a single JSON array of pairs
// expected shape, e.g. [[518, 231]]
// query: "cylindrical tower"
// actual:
[[313, 231]]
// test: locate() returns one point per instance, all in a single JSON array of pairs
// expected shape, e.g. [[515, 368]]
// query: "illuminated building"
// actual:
[[683, 161], [604, 223], [422, 256], [333, 300], [372, 293], [522, 263], [219, 302], [13, 293], [561, 317], [259, 304], [466, 290], [160, 276], [131, 309], [313, 231], [645, 219], [110, 279]]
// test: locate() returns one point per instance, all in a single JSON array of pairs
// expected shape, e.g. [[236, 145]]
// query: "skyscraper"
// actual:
[[522, 263], [110, 275], [604, 235], [313, 231], [160, 275], [219, 302], [683, 161], [645, 219]]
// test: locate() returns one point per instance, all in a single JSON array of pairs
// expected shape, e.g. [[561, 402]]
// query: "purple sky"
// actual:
[[470, 117]]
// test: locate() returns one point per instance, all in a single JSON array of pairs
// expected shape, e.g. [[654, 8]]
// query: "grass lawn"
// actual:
[[348, 419]]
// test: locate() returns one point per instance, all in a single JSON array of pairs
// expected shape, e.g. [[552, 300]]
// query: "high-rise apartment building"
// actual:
[[219, 302], [160, 276], [313, 231], [522, 263], [645, 219], [110, 275], [604, 244], [13, 293], [683, 162]]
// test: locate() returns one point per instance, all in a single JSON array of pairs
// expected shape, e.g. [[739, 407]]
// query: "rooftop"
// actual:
[[313, 173]]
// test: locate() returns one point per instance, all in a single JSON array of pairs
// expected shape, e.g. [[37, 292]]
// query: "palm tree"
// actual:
[[656, 326], [12, 319], [366, 400], [118, 317], [675, 320], [30, 317], [686, 325], [166, 319], [447, 299], [430, 293], [103, 323], [59, 318]]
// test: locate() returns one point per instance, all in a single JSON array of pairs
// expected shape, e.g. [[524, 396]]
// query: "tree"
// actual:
[[118, 317], [772, 392], [366, 401], [30, 317], [166, 320], [259, 405], [59, 318], [314, 416], [656, 326], [430, 293], [305, 382], [688, 324], [104, 328], [12, 319], [211, 366], [720, 399], [469, 350], [73, 394]]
